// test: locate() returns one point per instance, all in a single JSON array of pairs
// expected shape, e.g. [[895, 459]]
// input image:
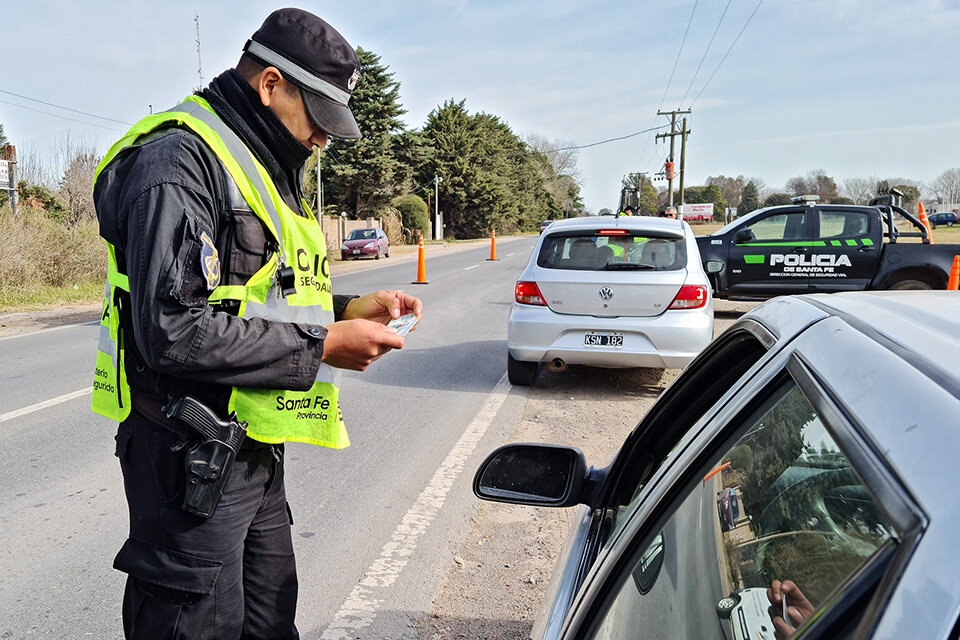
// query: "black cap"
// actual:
[[315, 57]]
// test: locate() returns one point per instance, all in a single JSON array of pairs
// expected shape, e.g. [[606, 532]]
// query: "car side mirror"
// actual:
[[713, 266], [541, 475], [743, 236]]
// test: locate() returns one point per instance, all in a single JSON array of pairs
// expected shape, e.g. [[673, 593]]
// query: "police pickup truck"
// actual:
[[808, 247]]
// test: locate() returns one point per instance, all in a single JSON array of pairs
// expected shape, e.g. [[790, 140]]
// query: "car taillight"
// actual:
[[690, 296], [613, 232], [528, 293]]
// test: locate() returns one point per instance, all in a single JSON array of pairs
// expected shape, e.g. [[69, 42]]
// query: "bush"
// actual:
[[413, 214], [41, 251], [390, 222]]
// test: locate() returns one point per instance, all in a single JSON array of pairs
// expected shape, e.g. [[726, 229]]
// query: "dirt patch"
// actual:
[[497, 580], [12, 324]]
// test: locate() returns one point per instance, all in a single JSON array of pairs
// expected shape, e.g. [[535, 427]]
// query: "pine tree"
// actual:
[[749, 199], [361, 176]]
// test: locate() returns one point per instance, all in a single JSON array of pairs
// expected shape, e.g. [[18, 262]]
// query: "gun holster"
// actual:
[[208, 463]]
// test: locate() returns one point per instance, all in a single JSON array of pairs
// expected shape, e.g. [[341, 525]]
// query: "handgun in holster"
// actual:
[[207, 463]]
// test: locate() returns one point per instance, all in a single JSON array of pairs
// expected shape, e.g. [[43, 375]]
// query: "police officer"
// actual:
[[218, 315]]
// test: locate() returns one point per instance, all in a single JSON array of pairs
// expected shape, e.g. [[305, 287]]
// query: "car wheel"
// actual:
[[726, 605], [377, 257], [387, 255], [918, 285], [949, 224], [521, 374]]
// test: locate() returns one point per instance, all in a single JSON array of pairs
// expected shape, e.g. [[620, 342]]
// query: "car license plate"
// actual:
[[356, 251], [602, 339]]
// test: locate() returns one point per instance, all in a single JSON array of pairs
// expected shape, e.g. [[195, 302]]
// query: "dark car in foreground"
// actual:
[[371, 243], [835, 417]]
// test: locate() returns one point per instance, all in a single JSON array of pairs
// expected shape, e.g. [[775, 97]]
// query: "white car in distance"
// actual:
[[628, 291]]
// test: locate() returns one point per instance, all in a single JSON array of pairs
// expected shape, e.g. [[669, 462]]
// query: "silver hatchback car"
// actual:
[[610, 292]]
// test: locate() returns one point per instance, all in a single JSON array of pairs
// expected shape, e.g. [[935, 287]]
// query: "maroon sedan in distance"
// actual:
[[365, 242]]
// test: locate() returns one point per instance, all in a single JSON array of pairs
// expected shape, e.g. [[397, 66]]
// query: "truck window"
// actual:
[[779, 227], [843, 224]]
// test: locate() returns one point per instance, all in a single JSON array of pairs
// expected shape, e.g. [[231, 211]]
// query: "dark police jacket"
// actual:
[[153, 202]]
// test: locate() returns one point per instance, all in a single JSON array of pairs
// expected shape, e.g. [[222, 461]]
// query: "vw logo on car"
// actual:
[[606, 293]]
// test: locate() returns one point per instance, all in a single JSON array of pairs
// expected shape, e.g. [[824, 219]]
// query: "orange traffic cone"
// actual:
[[493, 246], [953, 284], [421, 265], [926, 222]]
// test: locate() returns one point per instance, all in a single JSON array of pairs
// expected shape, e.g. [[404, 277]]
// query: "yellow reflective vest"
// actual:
[[273, 415]]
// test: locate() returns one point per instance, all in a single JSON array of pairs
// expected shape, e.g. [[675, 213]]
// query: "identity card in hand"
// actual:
[[403, 324]]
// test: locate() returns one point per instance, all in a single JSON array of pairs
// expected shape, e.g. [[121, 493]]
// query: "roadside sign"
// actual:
[[697, 211], [4, 174]]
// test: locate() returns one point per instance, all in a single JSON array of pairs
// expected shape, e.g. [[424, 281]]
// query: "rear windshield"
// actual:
[[362, 234], [588, 252]]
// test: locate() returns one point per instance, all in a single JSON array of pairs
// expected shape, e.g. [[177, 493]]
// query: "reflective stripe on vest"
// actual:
[[273, 416]]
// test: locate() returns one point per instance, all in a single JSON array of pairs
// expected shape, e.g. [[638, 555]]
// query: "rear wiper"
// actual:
[[628, 266]]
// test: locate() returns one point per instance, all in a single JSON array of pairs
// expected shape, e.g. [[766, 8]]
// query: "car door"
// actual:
[[849, 252], [766, 255], [819, 518], [718, 369]]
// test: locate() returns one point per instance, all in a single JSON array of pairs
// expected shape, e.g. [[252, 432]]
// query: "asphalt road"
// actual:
[[375, 525]]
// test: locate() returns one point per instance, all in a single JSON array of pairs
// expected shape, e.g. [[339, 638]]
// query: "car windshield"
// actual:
[[587, 251], [782, 503], [362, 234]]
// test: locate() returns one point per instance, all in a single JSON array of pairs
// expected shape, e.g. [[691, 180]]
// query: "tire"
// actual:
[[388, 253], [726, 605], [521, 374], [910, 285], [377, 257], [949, 224]]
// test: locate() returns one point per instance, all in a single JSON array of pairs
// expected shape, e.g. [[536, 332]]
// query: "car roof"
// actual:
[[924, 324], [665, 226]]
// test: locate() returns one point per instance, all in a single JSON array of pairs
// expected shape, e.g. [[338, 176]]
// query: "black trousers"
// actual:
[[230, 577]]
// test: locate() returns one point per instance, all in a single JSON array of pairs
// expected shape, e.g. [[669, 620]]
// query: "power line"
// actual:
[[728, 51], [682, 42], [51, 104], [643, 150], [53, 115], [704, 56]]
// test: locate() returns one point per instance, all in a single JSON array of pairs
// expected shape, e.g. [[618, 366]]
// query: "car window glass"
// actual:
[[692, 395], [780, 227], [781, 503], [609, 253], [843, 224]]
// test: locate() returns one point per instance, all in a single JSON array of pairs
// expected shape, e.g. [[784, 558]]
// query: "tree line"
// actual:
[[748, 194]]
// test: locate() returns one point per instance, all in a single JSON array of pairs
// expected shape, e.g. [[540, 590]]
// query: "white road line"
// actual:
[[511, 254], [36, 333], [46, 403], [473, 267], [360, 608]]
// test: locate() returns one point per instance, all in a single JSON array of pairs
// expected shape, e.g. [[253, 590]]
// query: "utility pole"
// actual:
[[437, 226], [673, 133], [196, 19], [683, 156], [8, 166], [319, 186]]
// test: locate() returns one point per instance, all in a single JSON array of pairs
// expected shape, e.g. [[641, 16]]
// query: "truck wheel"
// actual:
[[521, 374], [911, 285]]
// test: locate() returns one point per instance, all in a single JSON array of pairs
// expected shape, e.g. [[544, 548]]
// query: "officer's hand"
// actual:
[[383, 306], [355, 344]]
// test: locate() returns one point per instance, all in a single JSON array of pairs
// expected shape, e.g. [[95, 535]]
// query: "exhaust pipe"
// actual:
[[557, 365]]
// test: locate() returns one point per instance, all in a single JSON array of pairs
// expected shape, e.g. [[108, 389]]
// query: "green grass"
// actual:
[[50, 297]]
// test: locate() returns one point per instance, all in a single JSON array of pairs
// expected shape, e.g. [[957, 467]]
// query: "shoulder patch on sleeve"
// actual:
[[209, 261]]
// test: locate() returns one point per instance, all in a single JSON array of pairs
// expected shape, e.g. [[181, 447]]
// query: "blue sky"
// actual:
[[858, 88]]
